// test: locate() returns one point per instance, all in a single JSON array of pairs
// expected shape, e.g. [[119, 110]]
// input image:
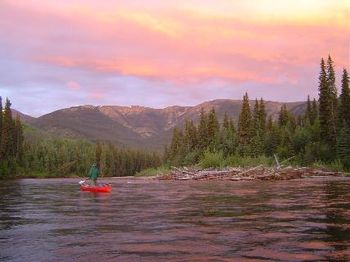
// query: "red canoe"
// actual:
[[96, 189]]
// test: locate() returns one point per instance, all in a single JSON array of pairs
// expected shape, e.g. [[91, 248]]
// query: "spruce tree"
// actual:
[[308, 113], [232, 125], [226, 122], [314, 112], [256, 117], [269, 124], [245, 125], [262, 116], [283, 117], [7, 140], [1, 114], [190, 136], [326, 108], [177, 147], [344, 103], [19, 138], [213, 129], [343, 146], [202, 130], [330, 77]]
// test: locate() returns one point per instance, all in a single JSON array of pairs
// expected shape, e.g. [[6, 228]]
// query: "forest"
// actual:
[[319, 136], [27, 152]]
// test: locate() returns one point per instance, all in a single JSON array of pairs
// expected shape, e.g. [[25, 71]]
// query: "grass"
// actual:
[[336, 166], [149, 172]]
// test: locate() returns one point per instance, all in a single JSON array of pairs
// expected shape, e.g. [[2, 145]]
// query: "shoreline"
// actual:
[[258, 173], [262, 173]]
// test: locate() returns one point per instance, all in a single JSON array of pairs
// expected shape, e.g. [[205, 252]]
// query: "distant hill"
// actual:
[[25, 118], [137, 126]]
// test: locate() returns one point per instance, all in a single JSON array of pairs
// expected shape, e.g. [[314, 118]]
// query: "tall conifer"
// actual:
[[202, 130], [283, 116], [1, 114], [344, 103], [330, 77], [325, 107], [245, 123], [262, 115], [19, 138], [7, 140], [314, 111]]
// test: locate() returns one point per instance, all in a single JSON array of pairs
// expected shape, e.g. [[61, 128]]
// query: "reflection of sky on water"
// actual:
[[288, 220]]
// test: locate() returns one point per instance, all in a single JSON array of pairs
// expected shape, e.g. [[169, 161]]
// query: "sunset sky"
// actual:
[[156, 53]]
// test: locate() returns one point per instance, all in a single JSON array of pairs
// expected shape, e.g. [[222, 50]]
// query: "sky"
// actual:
[[156, 53]]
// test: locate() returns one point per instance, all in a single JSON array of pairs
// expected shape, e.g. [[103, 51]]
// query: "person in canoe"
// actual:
[[93, 174]]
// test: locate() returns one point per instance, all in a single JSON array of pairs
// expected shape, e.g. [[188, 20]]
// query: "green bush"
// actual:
[[236, 160], [212, 159], [162, 170]]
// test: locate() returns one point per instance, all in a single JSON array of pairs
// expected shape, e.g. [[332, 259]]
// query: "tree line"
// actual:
[[321, 134], [25, 151]]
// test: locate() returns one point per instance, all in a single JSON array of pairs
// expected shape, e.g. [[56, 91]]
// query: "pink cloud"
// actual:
[[186, 45], [72, 85]]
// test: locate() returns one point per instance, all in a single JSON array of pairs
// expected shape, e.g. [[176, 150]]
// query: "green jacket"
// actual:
[[94, 173]]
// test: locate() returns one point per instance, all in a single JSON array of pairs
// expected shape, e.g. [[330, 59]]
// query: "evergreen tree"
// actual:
[[256, 117], [283, 117], [190, 136], [343, 146], [326, 114], [269, 124], [202, 130], [177, 147], [330, 77], [308, 113], [1, 113], [19, 138], [245, 125], [213, 129], [262, 116], [314, 112], [227, 136], [344, 103], [7, 149], [226, 122]]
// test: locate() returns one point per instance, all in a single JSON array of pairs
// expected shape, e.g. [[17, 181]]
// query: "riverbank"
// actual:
[[244, 174]]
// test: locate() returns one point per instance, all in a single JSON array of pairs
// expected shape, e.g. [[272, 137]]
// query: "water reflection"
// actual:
[[142, 220]]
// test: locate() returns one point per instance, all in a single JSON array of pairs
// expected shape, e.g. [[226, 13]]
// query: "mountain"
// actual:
[[137, 126], [25, 118]]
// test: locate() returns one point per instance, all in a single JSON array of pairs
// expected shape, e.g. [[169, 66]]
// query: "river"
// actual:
[[147, 220]]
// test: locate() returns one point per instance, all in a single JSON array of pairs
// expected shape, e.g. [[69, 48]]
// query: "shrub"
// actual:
[[236, 160], [212, 159], [162, 170]]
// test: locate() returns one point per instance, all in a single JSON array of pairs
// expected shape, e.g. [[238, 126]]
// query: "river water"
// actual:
[[145, 220]]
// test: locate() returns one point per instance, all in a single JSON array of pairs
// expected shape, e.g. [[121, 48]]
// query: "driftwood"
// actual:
[[245, 174]]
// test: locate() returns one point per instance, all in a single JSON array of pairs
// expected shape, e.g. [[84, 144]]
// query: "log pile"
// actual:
[[245, 174]]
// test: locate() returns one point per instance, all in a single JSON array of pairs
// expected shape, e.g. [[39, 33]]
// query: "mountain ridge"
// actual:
[[139, 126]]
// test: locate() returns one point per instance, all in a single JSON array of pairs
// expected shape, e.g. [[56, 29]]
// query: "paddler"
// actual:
[[94, 173]]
